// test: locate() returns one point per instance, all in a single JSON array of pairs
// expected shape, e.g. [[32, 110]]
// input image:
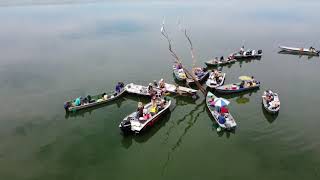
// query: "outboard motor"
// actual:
[[125, 125], [66, 106], [259, 51]]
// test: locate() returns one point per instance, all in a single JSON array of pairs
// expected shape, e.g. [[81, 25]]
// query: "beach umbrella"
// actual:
[[245, 78], [221, 102]]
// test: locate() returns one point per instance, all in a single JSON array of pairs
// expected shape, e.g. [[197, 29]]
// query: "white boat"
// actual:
[[229, 123], [305, 51], [212, 81], [273, 106], [137, 89], [248, 54], [132, 123], [178, 89]]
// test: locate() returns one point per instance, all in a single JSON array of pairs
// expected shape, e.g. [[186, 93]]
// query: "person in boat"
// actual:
[[153, 109], [242, 84], [150, 88], [215, 60], [178, 66], [221, 59], [77, 102], [230, 57], [119, 87], [161, 84], [241, 50], [312, 49], [198, 72], [155, 83], [140, 110]]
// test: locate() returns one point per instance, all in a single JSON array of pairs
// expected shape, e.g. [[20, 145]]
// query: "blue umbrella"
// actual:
[[220, 102]]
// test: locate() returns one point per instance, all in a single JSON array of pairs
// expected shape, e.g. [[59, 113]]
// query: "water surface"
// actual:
[[51, 53]]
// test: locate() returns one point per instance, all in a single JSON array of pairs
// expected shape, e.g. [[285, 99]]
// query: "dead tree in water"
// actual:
[[178, 60]]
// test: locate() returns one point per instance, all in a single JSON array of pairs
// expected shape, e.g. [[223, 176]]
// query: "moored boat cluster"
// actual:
[[146, 115]]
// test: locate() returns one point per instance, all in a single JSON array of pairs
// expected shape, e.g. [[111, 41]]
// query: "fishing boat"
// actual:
[[91, 101], [245, 85], [132, 123], [220, 63], [221, 114], [201, 74], [179, 73], [175, 89], [272, 105], [137, 89], [214, 82], [302, 51], [254, 54]]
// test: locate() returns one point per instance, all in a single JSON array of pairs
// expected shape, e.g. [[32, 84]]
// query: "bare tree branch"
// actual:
[[178, 60]]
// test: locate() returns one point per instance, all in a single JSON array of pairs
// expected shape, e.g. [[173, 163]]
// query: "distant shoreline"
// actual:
[[13, 3]]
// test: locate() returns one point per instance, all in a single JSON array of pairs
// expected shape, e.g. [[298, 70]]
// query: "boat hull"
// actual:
[[298, 51], [127, 129], [93, 104], [231, 125], [230, 91], [209, 85]]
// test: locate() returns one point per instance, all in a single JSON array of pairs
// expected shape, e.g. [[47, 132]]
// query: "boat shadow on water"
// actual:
[[269, 117], [145, 135]]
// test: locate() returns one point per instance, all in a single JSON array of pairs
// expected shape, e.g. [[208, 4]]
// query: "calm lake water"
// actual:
[[54, 52]]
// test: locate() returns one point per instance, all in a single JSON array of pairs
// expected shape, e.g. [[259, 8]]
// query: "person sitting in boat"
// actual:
[[230, 57], [77, 102], [119, 87], [242, 84], [241, 50], [198, 72], [221, 59], [140, 110], [161, 84], [178, 66], [150, 88], [153, 109], [312, 49], [215, 60], [254, 81]]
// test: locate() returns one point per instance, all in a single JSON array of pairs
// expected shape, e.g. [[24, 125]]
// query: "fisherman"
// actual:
[[77, 102], [312, 49], [241, 50], [216, 60], [155, 83], [178, 66], [161, 84], [150, 88], [153, 109], [242, 84], [140, 110], [119, 87], [221, 59]]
